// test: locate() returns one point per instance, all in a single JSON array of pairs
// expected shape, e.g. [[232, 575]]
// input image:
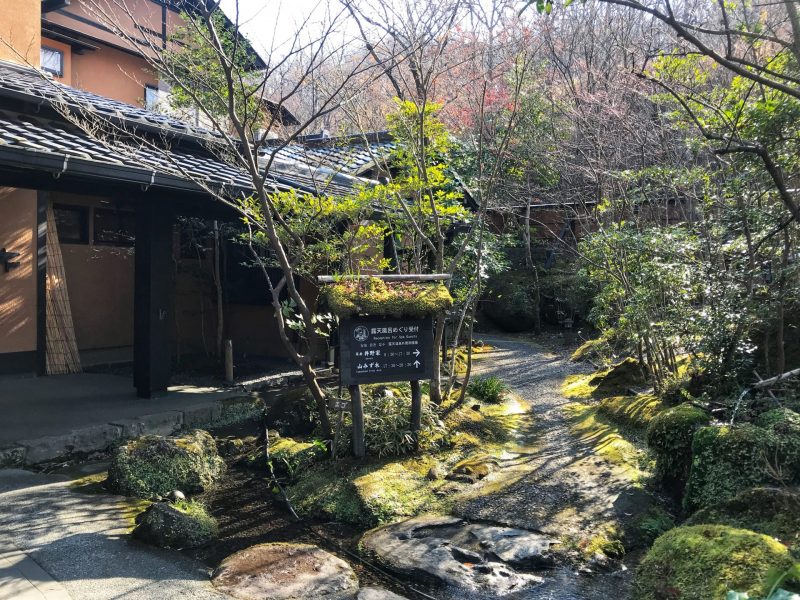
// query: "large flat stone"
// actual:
[[285, 572], [84, 440], [163, 423], [477, 558]]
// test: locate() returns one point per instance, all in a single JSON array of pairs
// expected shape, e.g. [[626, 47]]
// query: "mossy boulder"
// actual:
[[289, 457], [185, 524], [152, 466], [772, 511], [615, 380], [374, 296], [725, 461], [704, 562], [473, 468], [635, 412], [669, 436]]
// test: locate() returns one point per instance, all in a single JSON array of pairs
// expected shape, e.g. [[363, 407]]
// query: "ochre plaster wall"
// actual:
[[18, 287], [112, 73], [20, 28]]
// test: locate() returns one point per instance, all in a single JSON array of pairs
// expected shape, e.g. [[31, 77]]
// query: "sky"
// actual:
[[271, 25]]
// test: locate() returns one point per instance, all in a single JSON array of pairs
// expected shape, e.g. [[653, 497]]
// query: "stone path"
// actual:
[[50, 533], [553, 483]]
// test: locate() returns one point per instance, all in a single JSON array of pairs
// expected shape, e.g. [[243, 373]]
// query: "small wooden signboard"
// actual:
[[377, 350]]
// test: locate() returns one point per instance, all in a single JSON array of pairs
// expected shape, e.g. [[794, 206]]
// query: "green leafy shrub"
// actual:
[[785, 424], [488, 389], [669, 437], [725, 461], [184, 524], [374, 296], [772, 511], [703, 562], [387, 421], [653, 523], [152, 466]]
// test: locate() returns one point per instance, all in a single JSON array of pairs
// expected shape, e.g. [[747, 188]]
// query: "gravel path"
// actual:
[[553, 483], [79, 540]]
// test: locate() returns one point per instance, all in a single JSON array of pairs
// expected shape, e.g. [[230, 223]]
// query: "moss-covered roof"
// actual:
[[374, 296]]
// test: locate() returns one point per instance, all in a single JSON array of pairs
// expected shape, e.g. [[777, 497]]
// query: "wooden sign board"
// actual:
[[377, 350]]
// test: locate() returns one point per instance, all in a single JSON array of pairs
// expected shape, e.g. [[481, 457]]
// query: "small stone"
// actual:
[[434, 473], [176, 495], [476, 407]]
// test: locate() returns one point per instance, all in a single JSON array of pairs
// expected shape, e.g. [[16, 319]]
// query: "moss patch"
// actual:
[[152, 466], [772, 511], [704, 562], [609, 440], [616, 380], [631, 411], [184, 524], [289, 457], [375, 297]]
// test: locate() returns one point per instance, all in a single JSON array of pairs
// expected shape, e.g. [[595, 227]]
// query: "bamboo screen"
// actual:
[[62, 349]]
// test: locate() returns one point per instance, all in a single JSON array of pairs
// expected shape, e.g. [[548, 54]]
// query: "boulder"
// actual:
[[152, 466], [285, 572], [474, 557], [182, 525], [705, 562]]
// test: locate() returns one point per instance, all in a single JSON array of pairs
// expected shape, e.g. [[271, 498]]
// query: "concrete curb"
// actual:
[[97, 438]]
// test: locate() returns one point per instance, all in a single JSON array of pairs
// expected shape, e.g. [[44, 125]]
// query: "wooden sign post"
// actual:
[[383, 350]]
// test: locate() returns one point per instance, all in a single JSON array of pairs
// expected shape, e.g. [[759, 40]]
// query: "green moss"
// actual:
[[606, 542], [476, 466], [375, 297], [188, 526], [632, 411], [703, 562], [607, 439], [289, 457], [726, 461], [669, 437], [153, 466], [653, 523], [772, 511], [616, 380], [785, 425]]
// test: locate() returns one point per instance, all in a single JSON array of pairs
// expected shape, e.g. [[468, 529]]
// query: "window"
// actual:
[[72, 224], [113, 227], [52, 61], [150, 97]]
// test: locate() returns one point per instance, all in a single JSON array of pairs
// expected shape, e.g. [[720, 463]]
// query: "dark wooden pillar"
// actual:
[[416, 412], [357, 413], [390, 251], [152, 299]]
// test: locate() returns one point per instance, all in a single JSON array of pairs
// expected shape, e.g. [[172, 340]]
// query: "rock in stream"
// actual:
[[475, 557]]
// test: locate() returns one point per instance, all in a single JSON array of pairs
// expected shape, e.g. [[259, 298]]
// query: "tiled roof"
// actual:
[[351, 155], [54, 144]]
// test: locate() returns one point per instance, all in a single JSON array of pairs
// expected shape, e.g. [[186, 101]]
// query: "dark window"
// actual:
[[72, 224], [150, 97], [52, 61], [113, 227]]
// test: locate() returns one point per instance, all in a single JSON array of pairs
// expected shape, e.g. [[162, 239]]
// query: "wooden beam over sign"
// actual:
[[390, 277]]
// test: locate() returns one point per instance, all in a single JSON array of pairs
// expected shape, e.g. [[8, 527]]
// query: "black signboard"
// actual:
[[377, 350]]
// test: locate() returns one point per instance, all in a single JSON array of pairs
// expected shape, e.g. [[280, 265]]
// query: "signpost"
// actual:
[[378, 350]]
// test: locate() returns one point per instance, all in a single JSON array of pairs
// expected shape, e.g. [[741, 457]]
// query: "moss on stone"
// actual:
[[785, 425], [616, 380], [669, 437], [374, 296], [725, 461], [289, 457], [772, 511], [631, 411], [704, 562], [152, 466], [184, 524]]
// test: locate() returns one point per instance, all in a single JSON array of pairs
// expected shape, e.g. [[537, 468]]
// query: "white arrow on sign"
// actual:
[[416, 364], [416, 352]]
